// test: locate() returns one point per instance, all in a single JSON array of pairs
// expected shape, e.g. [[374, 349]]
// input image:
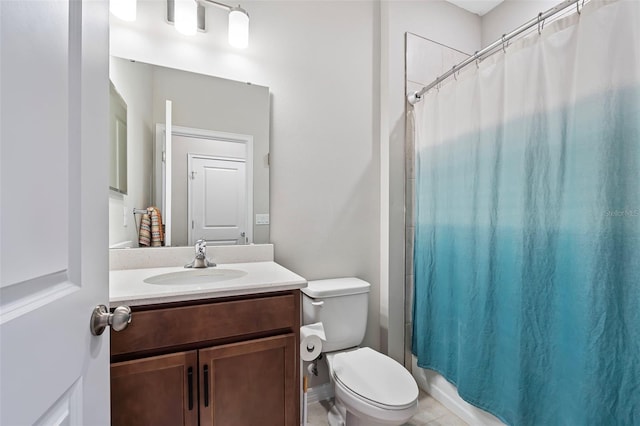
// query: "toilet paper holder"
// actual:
[[311, 338], [312, 368]]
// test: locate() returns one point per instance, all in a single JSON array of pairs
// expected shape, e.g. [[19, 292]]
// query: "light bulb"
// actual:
[[123, 9], [238, 28], [185, 16]]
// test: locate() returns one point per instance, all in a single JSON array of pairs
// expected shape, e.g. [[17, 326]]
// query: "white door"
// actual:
[[54, 94], [217, 200]]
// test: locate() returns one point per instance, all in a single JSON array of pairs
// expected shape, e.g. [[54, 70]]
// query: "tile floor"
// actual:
[[430, 413]]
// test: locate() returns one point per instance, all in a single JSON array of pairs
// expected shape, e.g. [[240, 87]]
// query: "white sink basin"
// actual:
[[195, 276]]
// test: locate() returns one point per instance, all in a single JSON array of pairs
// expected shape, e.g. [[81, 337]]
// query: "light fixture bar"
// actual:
[[238, 23], [216, 3], [238, 19]]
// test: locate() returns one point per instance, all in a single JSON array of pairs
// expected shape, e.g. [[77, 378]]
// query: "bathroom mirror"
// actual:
[[220, 128]]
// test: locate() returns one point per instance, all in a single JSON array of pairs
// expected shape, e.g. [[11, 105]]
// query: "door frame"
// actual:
[[160, 173]]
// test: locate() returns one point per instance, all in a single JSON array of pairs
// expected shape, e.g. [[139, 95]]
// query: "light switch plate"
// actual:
[[262, 219]]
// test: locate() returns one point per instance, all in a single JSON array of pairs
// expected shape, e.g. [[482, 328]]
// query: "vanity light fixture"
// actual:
[[188, 18], [238, 27], [185, 15], [123, 9]]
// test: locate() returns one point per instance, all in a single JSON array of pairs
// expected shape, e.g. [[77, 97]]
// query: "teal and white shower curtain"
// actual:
[[527, 241]]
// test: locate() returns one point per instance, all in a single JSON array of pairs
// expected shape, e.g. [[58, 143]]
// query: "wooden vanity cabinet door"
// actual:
[[249, 383], [155, 390]]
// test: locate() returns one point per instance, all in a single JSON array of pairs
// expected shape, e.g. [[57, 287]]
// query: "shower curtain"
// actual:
[[527, 241]]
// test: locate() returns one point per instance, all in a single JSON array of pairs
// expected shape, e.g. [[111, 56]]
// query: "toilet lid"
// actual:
[[375, 377]]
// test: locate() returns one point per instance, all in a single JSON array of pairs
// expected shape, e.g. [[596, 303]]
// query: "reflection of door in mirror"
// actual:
[[118, 141], [217, 200], [210, 185]]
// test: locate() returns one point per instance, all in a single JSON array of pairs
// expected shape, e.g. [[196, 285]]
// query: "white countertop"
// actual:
[[127, 286]]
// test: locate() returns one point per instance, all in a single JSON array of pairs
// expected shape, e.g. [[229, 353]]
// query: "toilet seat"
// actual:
[[375, 378]]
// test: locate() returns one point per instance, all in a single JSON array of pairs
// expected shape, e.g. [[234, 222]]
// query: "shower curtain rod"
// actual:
[[415, 97]]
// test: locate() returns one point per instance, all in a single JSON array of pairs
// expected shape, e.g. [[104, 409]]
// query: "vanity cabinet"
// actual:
[[219, 362]]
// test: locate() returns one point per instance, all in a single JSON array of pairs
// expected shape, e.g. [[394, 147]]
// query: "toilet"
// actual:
[[370, 388]]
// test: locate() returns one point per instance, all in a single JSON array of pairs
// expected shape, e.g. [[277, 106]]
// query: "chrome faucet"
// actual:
[[200, 260]]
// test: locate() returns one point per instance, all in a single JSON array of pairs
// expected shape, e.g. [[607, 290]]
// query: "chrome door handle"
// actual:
[[101, 318]]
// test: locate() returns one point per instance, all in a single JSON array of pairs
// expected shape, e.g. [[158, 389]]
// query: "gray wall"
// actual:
[[325, 193]]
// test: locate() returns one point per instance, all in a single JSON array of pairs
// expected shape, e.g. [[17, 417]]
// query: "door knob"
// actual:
[[101, 318]]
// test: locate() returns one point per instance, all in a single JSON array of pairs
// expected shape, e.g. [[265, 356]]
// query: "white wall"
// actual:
[[509, 15], [325, 169]]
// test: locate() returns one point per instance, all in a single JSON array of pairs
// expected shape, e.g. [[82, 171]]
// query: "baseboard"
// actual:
[[319, 393], [447, 394]]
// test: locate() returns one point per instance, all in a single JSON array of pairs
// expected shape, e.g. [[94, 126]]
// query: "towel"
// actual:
[[151, 232], [144, 236], [157, 234]]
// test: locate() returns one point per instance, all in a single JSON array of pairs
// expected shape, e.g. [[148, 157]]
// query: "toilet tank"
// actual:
[[341, 304]]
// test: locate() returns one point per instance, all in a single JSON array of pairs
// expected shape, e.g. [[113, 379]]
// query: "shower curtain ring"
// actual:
[[504, 43], [477, 60], [540, 23], [453, 71]]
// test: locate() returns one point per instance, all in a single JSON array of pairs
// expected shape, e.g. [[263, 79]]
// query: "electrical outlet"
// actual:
[[262, 219]]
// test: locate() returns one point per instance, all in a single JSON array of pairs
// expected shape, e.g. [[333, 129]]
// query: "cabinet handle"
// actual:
[[190, 384], [206, 385]]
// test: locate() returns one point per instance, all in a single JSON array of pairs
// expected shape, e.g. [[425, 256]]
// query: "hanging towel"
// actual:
[[151, 233], [157, 234], [144, 236]]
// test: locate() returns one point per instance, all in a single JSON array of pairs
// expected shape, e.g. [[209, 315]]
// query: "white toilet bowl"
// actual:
[[370, 389]]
